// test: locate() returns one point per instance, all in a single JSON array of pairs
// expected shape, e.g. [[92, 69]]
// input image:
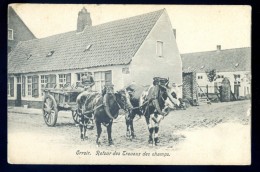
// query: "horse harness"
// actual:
[[99, 106]]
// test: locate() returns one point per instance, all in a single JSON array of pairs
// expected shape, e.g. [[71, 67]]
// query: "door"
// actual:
[[18, 101], [236, 90]]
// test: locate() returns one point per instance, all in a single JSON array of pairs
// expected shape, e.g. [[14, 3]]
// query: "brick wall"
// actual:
[[189, 88]]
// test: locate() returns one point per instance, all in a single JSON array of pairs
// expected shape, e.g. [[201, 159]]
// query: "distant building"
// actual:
[[235, 64], [134, 49], [17, 30]]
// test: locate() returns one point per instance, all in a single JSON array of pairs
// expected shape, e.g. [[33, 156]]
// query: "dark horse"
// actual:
[[142, 105], [104, 107]]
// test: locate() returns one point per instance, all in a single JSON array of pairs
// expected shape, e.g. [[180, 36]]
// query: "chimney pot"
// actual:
[[218, 47]]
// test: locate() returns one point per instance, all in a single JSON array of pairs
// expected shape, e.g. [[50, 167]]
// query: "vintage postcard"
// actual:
[[129, 84]]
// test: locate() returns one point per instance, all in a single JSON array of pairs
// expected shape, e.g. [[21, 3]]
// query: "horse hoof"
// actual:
[[156, 141], [111, 145]]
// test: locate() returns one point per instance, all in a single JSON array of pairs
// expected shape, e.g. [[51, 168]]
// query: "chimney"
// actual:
[[84, 20], [174, 32], [218, 47]]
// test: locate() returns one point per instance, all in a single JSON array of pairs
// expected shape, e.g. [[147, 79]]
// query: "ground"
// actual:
[[197, 135]]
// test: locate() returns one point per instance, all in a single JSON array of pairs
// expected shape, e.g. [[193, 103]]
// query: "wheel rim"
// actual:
[[49, 111]]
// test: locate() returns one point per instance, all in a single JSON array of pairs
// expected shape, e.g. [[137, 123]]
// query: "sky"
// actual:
[[198, 28]]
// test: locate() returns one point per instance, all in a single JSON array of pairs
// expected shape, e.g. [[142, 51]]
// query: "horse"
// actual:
[[105, 108], [143, 106]]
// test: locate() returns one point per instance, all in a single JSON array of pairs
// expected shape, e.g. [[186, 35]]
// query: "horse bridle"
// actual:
[[118, 104]]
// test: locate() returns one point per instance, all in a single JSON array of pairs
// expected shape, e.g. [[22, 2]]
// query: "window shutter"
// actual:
[[12, 86], [68, 78], [108, 77], [35, 86], [23, 86], [52, 81]]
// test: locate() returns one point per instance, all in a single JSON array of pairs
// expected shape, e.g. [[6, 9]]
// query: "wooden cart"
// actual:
[[56, 100]]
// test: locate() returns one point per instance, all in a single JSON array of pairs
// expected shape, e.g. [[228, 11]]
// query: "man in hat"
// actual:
[[87, 81]]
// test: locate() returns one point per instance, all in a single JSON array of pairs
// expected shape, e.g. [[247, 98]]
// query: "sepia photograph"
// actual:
[[96, 84]]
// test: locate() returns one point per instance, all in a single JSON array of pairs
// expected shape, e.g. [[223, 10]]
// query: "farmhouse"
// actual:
[[120, 52], [231, 63]]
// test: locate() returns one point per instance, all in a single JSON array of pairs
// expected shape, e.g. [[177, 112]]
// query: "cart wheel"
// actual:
[[50, 110], [75, 116]]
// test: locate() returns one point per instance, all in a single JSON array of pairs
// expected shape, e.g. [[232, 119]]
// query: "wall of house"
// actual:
[[20, 30], [36, 102], [146, 64], [244, 89]]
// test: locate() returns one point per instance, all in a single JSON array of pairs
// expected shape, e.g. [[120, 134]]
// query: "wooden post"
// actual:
[[207, 86]]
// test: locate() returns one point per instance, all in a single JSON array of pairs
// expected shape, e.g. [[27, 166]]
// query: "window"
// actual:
[[159, 48], [102, 78], [62, 80], [29, 85], [237, 77], [125, 70], [88, 47], [200, 77], [10, 34], [80, 75], [44, 82], [220, 76], [35, 86], [19, 80], [10, 87]]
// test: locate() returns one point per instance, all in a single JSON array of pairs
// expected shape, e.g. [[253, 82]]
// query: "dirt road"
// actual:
[[31, 141]]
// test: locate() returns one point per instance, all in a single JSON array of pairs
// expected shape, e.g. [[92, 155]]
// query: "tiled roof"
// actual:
[[112, 43], [229, 60]]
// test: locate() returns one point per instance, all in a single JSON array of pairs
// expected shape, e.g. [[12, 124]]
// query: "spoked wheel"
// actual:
[[75, 116], [50, 110]]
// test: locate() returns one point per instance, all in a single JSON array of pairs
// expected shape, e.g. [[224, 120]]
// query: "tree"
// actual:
[[211, 74]]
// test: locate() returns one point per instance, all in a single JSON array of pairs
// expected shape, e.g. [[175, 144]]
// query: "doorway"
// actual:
[[18, 101]]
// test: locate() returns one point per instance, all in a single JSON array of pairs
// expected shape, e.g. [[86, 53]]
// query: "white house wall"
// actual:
[[146, 64], [230, 75], [117, 80]]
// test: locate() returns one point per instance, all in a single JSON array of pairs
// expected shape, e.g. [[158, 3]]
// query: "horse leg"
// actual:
[[81, 132], [81, 126], [156, 138], [127, 121], [156, 130], [85, 130], [150, 129], [99, 130], [132, 127], [109, 133]]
